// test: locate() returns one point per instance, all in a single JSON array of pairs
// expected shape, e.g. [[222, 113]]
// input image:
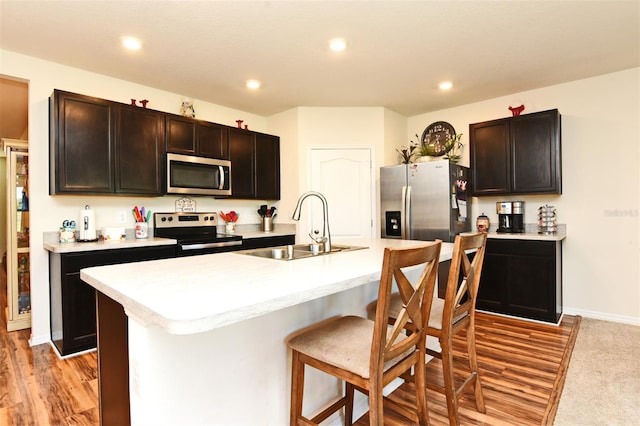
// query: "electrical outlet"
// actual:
[[122, 217]]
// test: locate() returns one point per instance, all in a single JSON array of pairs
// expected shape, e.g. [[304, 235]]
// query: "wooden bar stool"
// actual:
[[367, 355], [455, 314]]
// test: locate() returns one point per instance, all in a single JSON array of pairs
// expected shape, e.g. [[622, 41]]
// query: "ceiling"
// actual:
[[14, 109], [398, 51]]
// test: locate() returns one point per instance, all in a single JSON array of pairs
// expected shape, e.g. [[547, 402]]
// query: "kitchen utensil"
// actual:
[[267, 224], [230, 217]]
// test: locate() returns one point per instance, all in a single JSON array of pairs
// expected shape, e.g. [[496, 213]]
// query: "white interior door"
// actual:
[[344, 177]]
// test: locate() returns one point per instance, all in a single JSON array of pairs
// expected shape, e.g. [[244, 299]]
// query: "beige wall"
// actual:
[[599, 203]]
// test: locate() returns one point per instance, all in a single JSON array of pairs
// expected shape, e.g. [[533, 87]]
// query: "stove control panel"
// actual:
[[184, 220]]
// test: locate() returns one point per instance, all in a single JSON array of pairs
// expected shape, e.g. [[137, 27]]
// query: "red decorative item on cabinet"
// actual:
[[516, 110]]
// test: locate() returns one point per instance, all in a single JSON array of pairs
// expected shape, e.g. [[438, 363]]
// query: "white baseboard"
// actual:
[[603, 316], [39, 340]]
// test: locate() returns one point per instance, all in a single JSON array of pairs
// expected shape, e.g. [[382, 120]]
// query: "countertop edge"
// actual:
[[78, 247], [531, 233], [51, 242]]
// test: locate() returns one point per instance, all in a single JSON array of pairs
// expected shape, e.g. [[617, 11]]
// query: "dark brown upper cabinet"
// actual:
[[195, 137], [139, 148], [104, 147], [80, 148], [255, 165], [517, 155]]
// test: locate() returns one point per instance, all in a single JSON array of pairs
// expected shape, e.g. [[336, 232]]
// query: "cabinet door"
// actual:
[[139, 146], [535, 144], [80, 141], [531, 288], [79, 307], [192, 137], [490, 153], [181, 134], [242, 156], [212, 140], [493, 283], [267, 167]]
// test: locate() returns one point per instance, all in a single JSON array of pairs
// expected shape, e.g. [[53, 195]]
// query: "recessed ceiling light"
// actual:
[[445, 85], [338, 44], [131, 43], [253, 84]]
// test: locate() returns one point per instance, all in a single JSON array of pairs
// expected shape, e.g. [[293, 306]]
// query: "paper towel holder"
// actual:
[[87, 231]]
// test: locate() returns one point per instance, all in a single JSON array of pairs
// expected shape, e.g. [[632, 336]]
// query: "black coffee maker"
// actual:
[[510, 216]]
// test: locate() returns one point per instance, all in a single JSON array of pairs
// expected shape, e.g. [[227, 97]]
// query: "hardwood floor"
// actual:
[[38, 388], [522, 366]]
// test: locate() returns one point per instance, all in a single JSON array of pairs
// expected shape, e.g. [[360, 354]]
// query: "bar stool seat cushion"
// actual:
[[344, 342]]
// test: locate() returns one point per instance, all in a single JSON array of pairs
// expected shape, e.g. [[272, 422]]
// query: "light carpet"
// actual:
[[602, 386]]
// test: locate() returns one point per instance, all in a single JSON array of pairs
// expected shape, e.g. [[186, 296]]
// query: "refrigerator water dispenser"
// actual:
[[393, 226]]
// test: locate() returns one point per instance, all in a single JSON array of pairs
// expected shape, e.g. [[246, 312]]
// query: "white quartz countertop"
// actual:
[[199, 293], [54, 246], [52, 243]]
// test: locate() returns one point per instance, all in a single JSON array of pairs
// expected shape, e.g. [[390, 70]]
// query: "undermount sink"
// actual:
[[298, 251]]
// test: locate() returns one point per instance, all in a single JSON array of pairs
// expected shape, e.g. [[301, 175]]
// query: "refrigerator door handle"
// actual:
[[406, 212]]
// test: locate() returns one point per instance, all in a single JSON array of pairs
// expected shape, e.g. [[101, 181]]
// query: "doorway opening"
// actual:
[[14, 204]]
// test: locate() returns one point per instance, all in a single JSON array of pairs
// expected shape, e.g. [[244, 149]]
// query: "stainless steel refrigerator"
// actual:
[[424, 201]]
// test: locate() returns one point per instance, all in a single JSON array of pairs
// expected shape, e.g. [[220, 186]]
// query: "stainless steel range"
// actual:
[[196, 233]]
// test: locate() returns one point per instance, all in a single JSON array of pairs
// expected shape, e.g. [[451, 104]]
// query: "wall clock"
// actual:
[[435, 136]]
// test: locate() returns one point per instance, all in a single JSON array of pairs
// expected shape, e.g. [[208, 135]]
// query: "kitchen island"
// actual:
[[203, 339]]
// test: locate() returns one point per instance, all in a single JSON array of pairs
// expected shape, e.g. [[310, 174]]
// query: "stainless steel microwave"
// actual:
[[188, 174]]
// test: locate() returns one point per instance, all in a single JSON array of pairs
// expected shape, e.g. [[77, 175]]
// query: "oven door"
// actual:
[[192, 247], [188, 174]]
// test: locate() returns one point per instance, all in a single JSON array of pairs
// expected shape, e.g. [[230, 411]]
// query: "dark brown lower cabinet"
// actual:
[[73, 302], [522, 278]]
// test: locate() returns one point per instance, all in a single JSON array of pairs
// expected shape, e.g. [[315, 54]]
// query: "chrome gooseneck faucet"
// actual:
[[326, 236]]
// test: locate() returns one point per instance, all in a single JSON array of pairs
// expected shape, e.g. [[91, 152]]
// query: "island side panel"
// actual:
[[234, 375], [113, 362]]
